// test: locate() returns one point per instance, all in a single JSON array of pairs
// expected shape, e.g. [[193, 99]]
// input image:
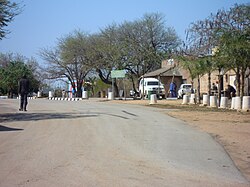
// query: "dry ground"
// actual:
[[230, 128]]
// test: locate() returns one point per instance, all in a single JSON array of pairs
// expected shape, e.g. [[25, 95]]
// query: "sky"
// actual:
[[43, 22]]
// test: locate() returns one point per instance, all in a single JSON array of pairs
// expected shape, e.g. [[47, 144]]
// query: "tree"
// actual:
[[138, 47], [8, 11], [106, 53], [196, 68], [69, 60], [199, 44], [12, 71], [228, 32], [233, 31], [146, 42]]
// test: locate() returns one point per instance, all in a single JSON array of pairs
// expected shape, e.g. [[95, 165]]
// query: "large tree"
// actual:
[[106, 53], [138, 46], [8, 11], [232, 29], [69, 60], [12, 68], [226, 31]]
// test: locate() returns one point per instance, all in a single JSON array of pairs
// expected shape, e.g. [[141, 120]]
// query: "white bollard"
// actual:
[[153, 99], [39, 94], [213, 101], [50, 94], [192, 99], [110, 96], [6, 97], [185, 99], [205, 101], [85, 94], [246, 103], [223, 102], [237, 103]]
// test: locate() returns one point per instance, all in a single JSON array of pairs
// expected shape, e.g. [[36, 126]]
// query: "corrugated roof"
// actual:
[[166, 71]]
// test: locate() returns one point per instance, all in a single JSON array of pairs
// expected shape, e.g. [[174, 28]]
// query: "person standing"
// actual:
[[23, 90], [173, 89]]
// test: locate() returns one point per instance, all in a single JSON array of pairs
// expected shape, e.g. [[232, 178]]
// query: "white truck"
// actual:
[[152, 86], [185, 89]]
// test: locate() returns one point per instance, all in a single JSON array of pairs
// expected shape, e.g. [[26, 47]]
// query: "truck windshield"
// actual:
[[153, 83], [187, 86]]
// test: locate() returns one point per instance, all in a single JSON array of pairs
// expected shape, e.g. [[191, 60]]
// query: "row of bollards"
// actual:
[[65, 99], [34, 97], [84, 96], [212, 101]]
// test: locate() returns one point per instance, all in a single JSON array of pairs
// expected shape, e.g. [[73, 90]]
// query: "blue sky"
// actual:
[[42, 22]]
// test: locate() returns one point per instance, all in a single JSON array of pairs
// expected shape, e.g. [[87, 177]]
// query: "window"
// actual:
[[153, 83]]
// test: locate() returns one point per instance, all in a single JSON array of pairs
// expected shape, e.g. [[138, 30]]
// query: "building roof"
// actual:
[[164, 72]]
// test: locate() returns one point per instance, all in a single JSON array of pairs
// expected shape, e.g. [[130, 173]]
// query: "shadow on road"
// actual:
[[4, 128], [9, 117]]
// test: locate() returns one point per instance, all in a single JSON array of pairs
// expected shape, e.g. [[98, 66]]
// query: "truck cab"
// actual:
[[152, 86]]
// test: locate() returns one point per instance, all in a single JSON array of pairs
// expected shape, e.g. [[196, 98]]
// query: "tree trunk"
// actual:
[[79, 91], [219, 85], [238, 81], [107, 81], [199, 90], [209, 83], [243, 82]]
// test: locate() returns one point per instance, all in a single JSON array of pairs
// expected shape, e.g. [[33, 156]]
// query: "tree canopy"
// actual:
[[12, 68], [227, 31], [8, 11], [137, 47]]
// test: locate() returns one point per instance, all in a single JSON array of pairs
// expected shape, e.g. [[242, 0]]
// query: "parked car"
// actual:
[[152, 85], [185, 89]]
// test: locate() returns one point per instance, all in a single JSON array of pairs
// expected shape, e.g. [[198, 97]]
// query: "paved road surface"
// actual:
[[92, 143]]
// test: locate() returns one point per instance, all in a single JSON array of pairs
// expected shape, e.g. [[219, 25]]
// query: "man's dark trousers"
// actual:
[[24, 101]]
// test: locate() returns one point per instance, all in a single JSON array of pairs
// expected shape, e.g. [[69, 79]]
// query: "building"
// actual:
[[172, 71]]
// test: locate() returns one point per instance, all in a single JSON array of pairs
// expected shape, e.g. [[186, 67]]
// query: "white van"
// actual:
[[152, 85]]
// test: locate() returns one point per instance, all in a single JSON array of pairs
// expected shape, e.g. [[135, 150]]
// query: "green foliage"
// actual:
[[70, 59], [100, 86], [8, 11], [11, 74], [234, 49], [195, 66]]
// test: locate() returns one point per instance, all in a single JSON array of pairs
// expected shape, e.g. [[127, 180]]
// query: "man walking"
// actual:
[[23, 91]]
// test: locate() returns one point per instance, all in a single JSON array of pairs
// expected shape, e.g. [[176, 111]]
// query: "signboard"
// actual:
[[118, 73]]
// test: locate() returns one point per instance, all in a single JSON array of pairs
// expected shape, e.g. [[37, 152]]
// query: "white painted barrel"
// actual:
[[223, 102], [205, 100], [110, 96], [50, 94], [192, 99], [185, 99], [246, 103], [237, 103], [213, 101], [39, 94], [85, 94], [153, 99]]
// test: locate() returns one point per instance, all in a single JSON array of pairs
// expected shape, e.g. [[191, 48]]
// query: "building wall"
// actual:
[[228, 78]]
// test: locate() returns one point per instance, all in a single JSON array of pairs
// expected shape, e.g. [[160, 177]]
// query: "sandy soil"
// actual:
[[230, 128]]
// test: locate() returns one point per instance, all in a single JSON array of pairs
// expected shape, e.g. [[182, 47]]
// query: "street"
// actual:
[[100, 143]]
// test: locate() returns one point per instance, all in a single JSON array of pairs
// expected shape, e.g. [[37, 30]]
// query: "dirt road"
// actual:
[[91, 143]]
